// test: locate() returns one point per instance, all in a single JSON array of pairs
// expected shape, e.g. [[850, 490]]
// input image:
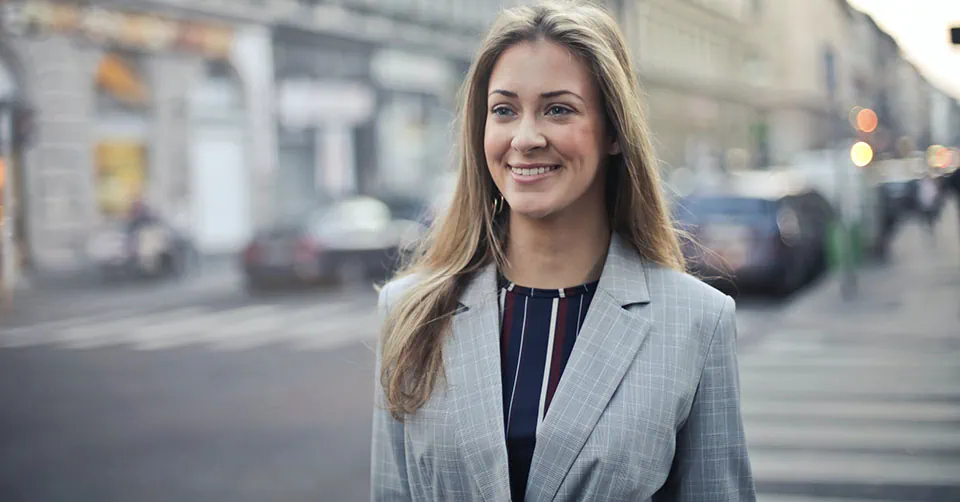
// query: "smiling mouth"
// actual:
[[532, 171]]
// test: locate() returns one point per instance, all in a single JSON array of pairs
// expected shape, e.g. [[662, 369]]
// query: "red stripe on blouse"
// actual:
[[557, 360]]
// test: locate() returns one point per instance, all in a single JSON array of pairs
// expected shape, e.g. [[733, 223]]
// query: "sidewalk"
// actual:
[[916, 292], [57, 298]]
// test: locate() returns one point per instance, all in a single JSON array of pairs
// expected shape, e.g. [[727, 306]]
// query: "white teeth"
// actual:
[[532, 171]]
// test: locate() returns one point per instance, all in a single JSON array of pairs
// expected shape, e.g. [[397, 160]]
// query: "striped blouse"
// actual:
[[538, 330]]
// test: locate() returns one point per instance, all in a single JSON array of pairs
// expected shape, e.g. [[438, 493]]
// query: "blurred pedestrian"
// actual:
[[139, 215], [927, 203], [554, 281], [953, 184]]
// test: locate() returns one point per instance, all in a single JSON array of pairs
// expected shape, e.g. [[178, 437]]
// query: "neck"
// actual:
[[557, 252]]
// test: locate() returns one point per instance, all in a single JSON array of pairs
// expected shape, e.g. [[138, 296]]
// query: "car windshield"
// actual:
[[300, 217]]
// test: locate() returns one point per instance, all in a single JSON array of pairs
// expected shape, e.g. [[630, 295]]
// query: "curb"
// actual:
[[88, 277]]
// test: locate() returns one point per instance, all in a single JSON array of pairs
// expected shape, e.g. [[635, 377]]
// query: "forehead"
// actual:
[[541, 66]]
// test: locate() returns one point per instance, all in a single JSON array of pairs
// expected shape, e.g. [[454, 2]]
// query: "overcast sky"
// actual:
[[922, 29]]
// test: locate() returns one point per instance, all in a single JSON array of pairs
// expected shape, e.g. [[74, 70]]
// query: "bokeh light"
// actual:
[[867, 120], [861, 154]]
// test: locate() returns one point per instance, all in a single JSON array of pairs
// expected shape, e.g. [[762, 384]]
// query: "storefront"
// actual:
[[136, 105], [325, 107], [123, 111]]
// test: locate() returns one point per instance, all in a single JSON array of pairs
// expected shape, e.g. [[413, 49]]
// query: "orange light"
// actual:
[[861, 154], [867, 120]]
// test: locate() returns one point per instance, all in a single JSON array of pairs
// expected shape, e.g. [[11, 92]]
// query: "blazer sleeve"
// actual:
[[388, 473], [711, 462]]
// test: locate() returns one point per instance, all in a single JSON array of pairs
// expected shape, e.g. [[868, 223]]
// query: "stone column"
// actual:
[[253, 58], [60, 197]]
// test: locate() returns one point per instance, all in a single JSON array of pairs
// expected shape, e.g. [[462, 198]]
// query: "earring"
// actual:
[[498, 204]]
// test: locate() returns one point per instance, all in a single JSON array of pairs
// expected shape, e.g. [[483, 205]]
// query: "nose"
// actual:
[[527, 136]]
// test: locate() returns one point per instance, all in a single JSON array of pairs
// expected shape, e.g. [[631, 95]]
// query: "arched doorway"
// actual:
[[123, 107], [220, 190]]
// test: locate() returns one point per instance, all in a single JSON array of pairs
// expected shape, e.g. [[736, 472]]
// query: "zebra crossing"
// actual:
[[304, 326], [852, 420], [307, 326]]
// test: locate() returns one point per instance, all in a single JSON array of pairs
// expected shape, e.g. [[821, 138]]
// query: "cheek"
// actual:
[[489, 139], [580, 142], [495, 144]]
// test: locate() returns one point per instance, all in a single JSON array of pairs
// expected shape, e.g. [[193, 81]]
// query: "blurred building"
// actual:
[[813, 72], [228, 114], [697, 61], [884, 61], [364, 94], [146, 100], [943, 128]]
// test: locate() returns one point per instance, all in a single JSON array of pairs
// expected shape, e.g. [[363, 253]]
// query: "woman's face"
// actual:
[[544, 138]]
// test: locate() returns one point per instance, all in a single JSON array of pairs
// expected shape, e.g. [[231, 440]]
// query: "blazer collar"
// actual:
[[481, 288], [622, 277], [607, 344]]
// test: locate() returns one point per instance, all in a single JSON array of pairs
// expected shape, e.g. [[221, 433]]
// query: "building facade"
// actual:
[[366, 93], [150, 103], [226, 115], [697, 63]]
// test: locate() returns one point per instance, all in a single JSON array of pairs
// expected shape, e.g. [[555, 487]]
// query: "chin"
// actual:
[[533, 212]]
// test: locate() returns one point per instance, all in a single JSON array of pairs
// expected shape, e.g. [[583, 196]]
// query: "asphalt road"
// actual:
[[209, 396]]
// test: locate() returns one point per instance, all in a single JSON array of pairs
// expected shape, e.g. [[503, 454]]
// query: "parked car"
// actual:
[[340, 241], [774, 238], [408, 207]]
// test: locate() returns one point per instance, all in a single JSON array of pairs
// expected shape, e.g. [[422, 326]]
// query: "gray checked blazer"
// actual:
[[647, 409]]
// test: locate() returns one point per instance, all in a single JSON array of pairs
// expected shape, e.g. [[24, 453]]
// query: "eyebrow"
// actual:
[[551, 94]]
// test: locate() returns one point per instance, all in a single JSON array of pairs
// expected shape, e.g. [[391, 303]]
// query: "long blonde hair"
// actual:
[[471, 235]]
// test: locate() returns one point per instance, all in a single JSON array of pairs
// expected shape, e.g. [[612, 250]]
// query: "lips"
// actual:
[[533, 170]]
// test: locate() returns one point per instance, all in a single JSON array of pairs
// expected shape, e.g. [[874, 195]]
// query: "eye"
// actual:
[[502, 111], [558, 110]]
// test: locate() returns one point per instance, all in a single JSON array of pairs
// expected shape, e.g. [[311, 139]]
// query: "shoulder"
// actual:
[[682, 298], [683, 288], [394, 289]]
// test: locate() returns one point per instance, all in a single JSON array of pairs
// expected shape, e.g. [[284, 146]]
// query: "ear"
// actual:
[[613, 148]]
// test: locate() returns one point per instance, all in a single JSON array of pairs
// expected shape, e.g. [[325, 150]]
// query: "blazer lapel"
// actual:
[[605, 347], [472, 360]]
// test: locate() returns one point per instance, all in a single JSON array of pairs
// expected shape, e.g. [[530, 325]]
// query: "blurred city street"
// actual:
[[226, 396], [860, 400], [197, 197]]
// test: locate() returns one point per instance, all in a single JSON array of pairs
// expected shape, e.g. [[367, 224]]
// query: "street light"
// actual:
[[861, 154], [867, 120]]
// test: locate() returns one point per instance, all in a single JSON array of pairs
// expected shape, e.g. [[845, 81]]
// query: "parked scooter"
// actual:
[[149, 249]]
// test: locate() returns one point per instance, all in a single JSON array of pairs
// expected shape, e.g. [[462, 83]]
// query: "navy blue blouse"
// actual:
[[538, 331]]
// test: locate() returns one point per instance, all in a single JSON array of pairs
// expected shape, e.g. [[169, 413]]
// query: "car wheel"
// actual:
[[254, 287], [789, 282]]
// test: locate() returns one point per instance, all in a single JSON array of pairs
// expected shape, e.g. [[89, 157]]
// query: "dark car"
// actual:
[[347, 240], [776, 241]]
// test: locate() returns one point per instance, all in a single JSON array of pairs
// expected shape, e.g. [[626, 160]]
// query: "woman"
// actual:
[[546, 344]]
